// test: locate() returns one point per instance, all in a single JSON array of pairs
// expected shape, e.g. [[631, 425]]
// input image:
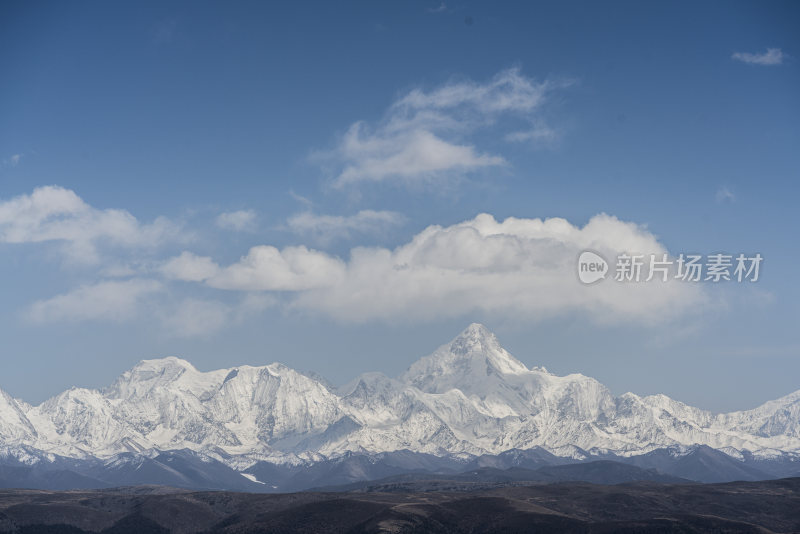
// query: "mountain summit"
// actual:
[[468, 360]]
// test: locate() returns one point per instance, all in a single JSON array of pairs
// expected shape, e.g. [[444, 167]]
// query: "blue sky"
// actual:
[[146, 149]]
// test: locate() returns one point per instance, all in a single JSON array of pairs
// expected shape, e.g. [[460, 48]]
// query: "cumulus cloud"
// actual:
[[773, 56], [326, 228], [105, 301], [523, 268], [265, 268], [237, 220], [423, 135], [52, 213], [189, 267]]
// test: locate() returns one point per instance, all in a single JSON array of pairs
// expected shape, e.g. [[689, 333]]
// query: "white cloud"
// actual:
[[422, 136], [725, 195], [263, 268], [507, 91], [411, 155], [522, 268], [189, 267], [104, 301], [773, 56], [52, 213], [325, 228], [237, 220], [291, 269]]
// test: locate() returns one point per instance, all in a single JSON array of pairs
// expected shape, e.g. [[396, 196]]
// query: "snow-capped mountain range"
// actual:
[[470, 397]]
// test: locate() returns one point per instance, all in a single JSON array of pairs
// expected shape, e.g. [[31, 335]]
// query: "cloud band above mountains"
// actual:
[[515, 268]]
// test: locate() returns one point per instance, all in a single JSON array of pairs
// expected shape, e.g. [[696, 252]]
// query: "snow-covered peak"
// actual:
[[467, 360], [777, 404], [78, 417], [163, 374], [475, 337], [14, 425], [163, 369], [773, 418], [171, 365]]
